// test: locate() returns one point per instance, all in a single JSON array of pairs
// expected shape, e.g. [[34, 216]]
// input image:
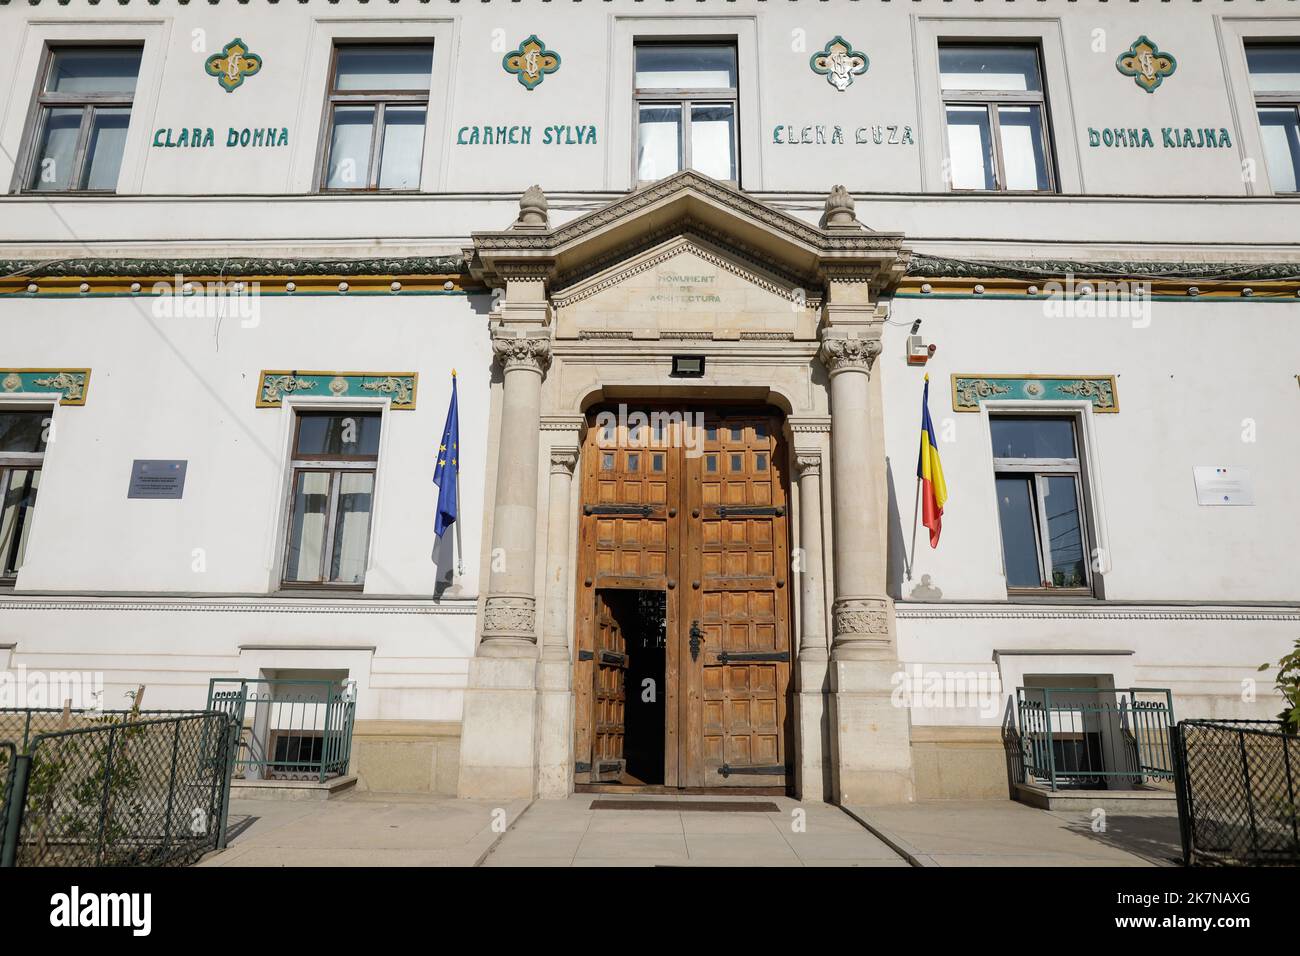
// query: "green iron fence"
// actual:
[[114, 788], [288, 729], [1238, 784], [1096, 738]]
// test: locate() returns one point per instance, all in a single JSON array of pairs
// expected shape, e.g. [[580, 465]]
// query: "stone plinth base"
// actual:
[[555, 737], [812, 724], [497, 752], [871, 738]]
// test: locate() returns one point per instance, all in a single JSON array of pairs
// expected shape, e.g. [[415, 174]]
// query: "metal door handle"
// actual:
[[697, 637]]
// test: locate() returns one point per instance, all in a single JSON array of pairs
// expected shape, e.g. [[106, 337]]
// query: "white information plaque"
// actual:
[[1217, 485]]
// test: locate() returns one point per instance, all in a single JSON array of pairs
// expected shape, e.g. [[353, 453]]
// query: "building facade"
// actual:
[[691, 264]]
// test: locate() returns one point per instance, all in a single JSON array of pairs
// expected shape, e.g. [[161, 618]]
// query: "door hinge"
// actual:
[[725, 511], [613, 657], [725, 657], [585, 655], [644, 511], [727, 770], [582, 767]]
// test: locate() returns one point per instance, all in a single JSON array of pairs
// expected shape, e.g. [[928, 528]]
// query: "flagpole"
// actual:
[[916, 507], [460, 544]]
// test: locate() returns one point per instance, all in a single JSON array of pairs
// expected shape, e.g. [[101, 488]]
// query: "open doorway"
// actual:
[[640, 619]]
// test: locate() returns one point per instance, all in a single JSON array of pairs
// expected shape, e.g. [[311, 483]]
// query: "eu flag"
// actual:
[[447, 473]]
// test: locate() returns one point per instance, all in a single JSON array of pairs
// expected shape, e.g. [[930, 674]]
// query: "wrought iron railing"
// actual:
[[1238, 786], [114, 788], [1096, 738], [289, 729]]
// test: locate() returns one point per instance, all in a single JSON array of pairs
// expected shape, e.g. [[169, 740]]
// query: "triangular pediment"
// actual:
[[688, 203]]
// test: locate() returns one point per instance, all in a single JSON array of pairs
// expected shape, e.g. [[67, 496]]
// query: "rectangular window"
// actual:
[[686, 102], [996, 117], [1275, 81], [83, 109], [378, 104], [22, 452], [330, 499], [1039, 483]]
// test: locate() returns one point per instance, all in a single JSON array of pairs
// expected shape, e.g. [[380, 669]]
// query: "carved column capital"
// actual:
[[563, 460], [808, 464], [842, 353], [530, 352]]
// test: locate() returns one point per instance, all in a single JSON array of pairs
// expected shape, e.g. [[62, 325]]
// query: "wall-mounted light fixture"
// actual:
[[688, 366]]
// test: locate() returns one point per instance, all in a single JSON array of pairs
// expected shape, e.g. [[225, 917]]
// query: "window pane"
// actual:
[[329, 435], [1281, 137], [53, 169], [104, 152], [970, 147], [102, 70], [989, 68], [1022, 147], [1064, 532], [307, 526], [15, 516], [1032, 437], [660, 67], [383, 67], [352, 528], [659, 149], [399, 163], [1019, 534], [712, 130], [1274, 68], [23, 431], [350, 147]]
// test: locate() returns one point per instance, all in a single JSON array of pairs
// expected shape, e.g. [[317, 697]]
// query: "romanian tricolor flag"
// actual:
[[934, 491]]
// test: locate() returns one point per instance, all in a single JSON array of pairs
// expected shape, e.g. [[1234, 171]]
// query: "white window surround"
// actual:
[[310, 120], [152, 34], [1110, 665], [26, 402], [289, 408], [1089, 470], [928, 32], [1234, 33], [621, 121]]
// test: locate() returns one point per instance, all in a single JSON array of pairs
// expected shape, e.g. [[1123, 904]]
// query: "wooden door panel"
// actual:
[[609, 694], [652, 517]]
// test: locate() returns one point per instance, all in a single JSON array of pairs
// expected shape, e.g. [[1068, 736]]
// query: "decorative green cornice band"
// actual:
[[134, 268], [70, 384], [274, 384], [943, 267], [969, 390]]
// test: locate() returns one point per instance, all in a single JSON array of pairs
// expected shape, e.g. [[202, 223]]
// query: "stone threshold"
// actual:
[[291, 789], [1142, 800]]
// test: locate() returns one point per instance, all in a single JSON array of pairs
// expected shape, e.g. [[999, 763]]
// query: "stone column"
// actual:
[[498, 745], [509, 625], [812, 770], [555, 668], [871, 739], [860, 613]]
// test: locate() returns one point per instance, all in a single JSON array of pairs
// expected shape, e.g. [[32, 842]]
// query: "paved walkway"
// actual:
[[364, 829], [570, 833], [377, 829], [1005, 833]]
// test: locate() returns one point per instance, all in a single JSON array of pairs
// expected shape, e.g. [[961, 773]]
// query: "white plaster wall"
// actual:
[[593, 86]]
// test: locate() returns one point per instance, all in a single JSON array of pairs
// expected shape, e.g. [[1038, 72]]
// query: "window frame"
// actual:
[[1273, 99], [990, 100], [1038, 469], [684, 98], [22, 461], [45, 101], [335, 466], [379, 100]]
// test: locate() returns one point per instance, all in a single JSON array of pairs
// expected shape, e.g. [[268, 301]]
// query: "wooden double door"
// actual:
[[683, 603]]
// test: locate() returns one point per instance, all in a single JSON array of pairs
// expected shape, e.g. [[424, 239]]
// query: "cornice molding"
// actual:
[[452, 265], [937, 267], [905, 612], [251, 605]]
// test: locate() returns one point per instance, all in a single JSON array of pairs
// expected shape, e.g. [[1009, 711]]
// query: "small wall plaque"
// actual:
[[1217, 485], [157, 478]]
